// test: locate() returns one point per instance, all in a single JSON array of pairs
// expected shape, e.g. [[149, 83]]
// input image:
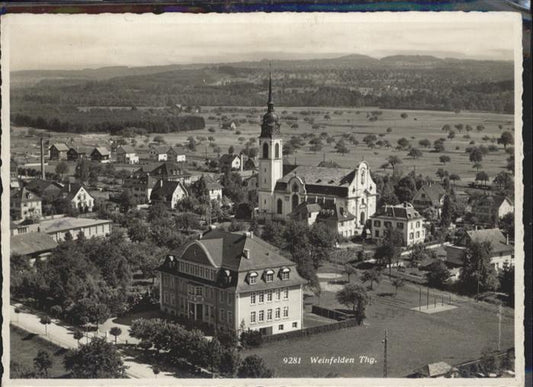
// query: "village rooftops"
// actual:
[[126, 149], [165, 189], [400, 211], [24, 195], [499, 243], [69, 223], [31, 243], [433, 193], [60, 146], [102, 150]]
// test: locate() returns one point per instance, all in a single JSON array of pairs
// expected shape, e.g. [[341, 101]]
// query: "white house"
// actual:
[[402, 217], [168, 192]]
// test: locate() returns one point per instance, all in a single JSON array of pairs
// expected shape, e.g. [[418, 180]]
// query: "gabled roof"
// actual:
[[38, 186], [306, 208], [31, 243], [497, 240], [400, 211], [211, 183], [81, 149], [160, 149], [102, 150], [70, 190], [228, 158], [166, 189], [69, 223], [494, 201], [24, 195], [433, 192], [60, 146], [168, 168], [126, 149]]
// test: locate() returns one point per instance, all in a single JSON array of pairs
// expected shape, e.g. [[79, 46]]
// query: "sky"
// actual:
[[91, 41]]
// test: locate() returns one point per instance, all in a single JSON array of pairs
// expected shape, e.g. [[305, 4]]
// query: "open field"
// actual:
[[416, 126], [415, 338], [25, 345]]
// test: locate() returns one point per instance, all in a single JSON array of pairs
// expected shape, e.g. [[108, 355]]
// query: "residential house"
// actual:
[[126, 155], [228, 125], [58, 151], [159, 153], [250, 164], [488, 208], [214, 188], [307, 212], [402, 217], [501, 254], [34, 246], [58, 227], [176, 154], [231, 161], [47, 190], [101, 154], [24, 204], [430, 197], [78, 153], [335, 218], [250, 186], [168, 192], [78, 197], [234, 281]]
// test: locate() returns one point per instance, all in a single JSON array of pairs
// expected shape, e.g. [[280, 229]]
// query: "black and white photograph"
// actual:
[[273, 196]]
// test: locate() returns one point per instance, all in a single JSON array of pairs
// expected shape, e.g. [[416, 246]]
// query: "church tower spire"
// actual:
[[270, 103], [270, 127]]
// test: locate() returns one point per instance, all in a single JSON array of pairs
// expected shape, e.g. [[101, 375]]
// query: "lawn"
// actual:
[[25, 346], [414, 338]]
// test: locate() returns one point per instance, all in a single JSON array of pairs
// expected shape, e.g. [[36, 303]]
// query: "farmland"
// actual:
[[336, 122]]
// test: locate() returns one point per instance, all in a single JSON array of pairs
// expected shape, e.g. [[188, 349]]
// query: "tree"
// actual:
[[341, 147], [415, 153], [448, 212], [438, 274], [372, 275], [425, 143], [483, 177], [45, 320], [506, 138], [349, 270], [78, 335], [254, 367], [454, 178], [96, 360], [504, 181], [42, 362], [477, 273], [445, 159], [403, 143], [115, 331], [397, 283], [354, 296], [231, 149], [156, 370], [390, 248], [418, 254], [61, 168], [506, 278], [446, 128], [476, 156], [393, 161], [506, 224], [403, 115], [451, 134], [229, 362], [126, 200]]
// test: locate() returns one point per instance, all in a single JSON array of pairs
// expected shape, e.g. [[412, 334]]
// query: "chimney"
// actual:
[[43, 175], [246, 253]]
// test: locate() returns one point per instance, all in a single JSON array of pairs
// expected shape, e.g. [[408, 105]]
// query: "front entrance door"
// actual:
[[195, 311]]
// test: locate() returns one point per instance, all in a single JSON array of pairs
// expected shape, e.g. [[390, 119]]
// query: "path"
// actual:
[[63, 337]]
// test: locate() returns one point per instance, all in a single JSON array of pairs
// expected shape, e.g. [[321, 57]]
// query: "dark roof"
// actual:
[[228, 158], [32, 243], [211, 183], [306, 208], [165, 189], [168, 168], [71, 189], [24, 195], [497, 240], [81, 149], [331, 212], [494, 201], [102, 150], [160, 149], [38, 186], [433, 192], [60, 146], [400, 211]]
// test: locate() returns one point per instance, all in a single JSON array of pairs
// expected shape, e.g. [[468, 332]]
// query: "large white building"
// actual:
[[234, 281], [348, 193]]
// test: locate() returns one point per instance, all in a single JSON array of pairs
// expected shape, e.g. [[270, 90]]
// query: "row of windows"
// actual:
[[268, 275], [260, 316], [399, 225], [259, 297], [196, 270], [411, 234]]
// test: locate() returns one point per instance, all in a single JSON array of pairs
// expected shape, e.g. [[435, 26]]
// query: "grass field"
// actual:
[[417, 126], [25, 346], [414, 338]]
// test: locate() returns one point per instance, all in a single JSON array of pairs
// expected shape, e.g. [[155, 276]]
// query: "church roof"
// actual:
[[400, 211], [320, 180]]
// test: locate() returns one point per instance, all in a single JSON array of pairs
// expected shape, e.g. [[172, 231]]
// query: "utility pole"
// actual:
[[499, 326], [385, 354], [419, 298], [427, 298]]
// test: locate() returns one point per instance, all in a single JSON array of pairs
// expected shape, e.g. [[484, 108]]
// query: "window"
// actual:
[[285, 293], [278, 294], [377, 233], [278, 313], [285, 311], [269, 276], [199, 291], [387, 224], [285, 273], [222, 315], [276, 150], [269, 314], [269, 295], [377, 223], [252, 278], [252, 298], [417, 224], [230, 317], [295, 325], [418, 234], [399, 225], [280, 206], [252, 317], [411, 235], [261, 315], [280, 327], [261, 297], [265, 150]]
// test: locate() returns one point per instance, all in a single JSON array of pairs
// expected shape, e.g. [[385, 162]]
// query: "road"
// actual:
[[62, 336]]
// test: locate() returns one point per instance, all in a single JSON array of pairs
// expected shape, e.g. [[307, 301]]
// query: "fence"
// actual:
[[311, 331], [329, 313]]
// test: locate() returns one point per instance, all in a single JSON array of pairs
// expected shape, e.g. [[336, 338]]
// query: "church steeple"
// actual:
[[270, 126]]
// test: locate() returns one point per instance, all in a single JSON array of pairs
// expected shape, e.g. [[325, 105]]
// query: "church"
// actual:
[[344, 198]]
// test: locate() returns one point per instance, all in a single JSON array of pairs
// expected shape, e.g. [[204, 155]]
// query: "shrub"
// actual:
[[251, 338]]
